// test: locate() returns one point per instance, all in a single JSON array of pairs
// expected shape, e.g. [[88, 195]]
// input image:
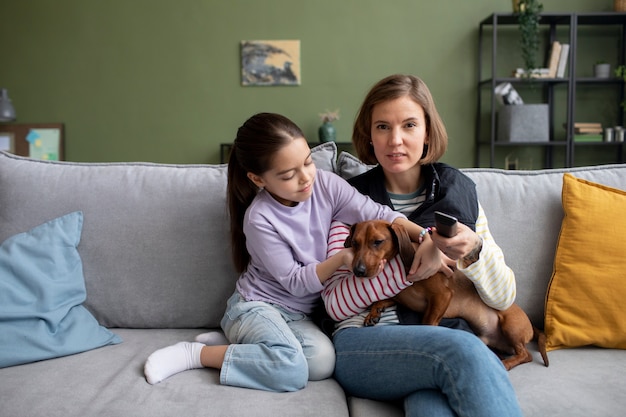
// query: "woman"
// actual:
[[437, 371]]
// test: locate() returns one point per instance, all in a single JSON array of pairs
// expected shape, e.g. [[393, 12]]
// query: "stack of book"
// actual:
[[557, 62], [556, 65], [587, 132]]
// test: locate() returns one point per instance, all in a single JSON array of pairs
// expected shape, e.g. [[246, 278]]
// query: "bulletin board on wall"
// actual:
[[34, 140]]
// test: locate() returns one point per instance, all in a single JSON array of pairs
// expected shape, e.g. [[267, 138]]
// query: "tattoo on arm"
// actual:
[[474, 254]]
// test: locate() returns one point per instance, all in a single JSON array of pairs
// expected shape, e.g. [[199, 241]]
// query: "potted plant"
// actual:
[[529, 15], [326, 131]]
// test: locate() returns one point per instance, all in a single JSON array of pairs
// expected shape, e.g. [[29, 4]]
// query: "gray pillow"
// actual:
[[349, 166], [325, 156]]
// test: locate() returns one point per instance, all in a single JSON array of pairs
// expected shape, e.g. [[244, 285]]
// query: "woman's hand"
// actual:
[[466, 245]]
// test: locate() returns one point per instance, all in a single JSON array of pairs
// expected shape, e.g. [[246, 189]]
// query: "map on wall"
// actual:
[[270, 62]]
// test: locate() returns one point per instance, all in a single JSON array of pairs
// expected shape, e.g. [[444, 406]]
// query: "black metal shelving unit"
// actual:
[[489, 78]]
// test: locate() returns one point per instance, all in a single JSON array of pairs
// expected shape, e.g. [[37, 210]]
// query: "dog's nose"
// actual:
[[359, 270]]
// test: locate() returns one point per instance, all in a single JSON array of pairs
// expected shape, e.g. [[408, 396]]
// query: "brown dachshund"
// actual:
[[507, 331]]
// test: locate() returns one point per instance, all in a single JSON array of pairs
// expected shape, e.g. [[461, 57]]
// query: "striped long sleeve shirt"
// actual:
[[347, 297]]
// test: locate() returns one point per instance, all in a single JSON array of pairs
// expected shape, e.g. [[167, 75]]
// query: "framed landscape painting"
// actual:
[[270, 62]]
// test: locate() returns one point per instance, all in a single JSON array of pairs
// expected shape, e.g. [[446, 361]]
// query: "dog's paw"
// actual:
[[371, 320]]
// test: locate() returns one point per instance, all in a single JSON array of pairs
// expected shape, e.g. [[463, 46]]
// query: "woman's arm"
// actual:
[[492, 277], [479, 257]]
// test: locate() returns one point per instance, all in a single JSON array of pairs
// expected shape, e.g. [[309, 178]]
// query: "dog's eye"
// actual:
[[378, 242]]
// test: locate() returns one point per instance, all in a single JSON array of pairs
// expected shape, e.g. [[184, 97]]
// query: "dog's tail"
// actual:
[[540, 337]]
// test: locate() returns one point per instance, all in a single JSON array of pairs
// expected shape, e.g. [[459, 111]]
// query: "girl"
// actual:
[[281, 209], [437, 371]]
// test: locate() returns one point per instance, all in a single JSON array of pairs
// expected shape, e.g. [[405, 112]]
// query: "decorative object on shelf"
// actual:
[[518, 122], [513, 162], [523, 123], [529, 16], [506, 94], [619, 5], [326, 131], [589, 132], [602, 69], [7, 111]]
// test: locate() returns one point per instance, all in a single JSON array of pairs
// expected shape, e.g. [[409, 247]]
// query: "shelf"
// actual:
[[512, 19], [562, 27], [514, 80], [597, 18], [554, 143], [521, 81]]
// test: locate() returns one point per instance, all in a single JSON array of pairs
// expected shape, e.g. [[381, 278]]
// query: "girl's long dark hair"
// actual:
[[257, 141]]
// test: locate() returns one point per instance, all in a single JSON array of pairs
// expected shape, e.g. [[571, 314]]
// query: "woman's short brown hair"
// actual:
[[390, 88]]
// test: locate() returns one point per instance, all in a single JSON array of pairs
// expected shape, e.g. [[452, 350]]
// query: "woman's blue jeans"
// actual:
[[436, 371], [273, 349]]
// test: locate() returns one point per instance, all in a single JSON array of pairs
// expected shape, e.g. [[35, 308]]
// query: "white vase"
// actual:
[[602, 70]]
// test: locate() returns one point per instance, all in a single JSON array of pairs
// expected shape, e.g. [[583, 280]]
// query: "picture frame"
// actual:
[[7, 142], [270, 62], [34, 140]]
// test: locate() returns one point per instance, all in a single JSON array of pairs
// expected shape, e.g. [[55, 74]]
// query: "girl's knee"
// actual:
[[321, 361]]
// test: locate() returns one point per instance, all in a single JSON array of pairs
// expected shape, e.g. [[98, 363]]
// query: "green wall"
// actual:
[[159, 80]]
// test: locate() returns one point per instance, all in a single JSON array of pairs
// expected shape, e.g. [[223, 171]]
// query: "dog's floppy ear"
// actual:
[[403, 243], [348, 242]]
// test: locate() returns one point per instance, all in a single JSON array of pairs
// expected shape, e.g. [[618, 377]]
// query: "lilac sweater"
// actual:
[[286, 243]]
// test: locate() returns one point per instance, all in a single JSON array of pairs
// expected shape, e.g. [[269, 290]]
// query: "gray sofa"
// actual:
[[156, 265]]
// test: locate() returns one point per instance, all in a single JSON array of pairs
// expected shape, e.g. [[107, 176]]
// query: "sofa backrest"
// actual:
[[154, 245], [524, 211]]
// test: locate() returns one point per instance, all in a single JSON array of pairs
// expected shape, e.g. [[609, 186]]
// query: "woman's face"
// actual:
[[398, 134], [290, 180]]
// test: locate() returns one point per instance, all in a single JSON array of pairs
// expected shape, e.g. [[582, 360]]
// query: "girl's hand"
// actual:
[[326, 268]]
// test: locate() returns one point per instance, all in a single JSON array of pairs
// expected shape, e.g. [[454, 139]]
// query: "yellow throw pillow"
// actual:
[[585, 301]]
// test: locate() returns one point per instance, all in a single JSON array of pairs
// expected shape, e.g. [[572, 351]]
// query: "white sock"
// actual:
[[212, 339], [171, 360]]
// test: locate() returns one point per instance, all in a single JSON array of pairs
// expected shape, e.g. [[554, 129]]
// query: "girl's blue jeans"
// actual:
[[273, 349], [436, 371]]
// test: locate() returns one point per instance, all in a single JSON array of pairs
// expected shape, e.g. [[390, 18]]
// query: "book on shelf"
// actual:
[[563, 57], [586, 127], [536, 73], [590, 124], [587, 130], [553, 60], [588, 137]]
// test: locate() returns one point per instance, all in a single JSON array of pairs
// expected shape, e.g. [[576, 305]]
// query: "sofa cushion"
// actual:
[[349, 166], [584, 302], [154, 242], [325, 156], [109, 382], [41, 294]]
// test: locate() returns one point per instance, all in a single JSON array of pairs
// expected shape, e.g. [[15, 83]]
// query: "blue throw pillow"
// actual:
[[41, 294]]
